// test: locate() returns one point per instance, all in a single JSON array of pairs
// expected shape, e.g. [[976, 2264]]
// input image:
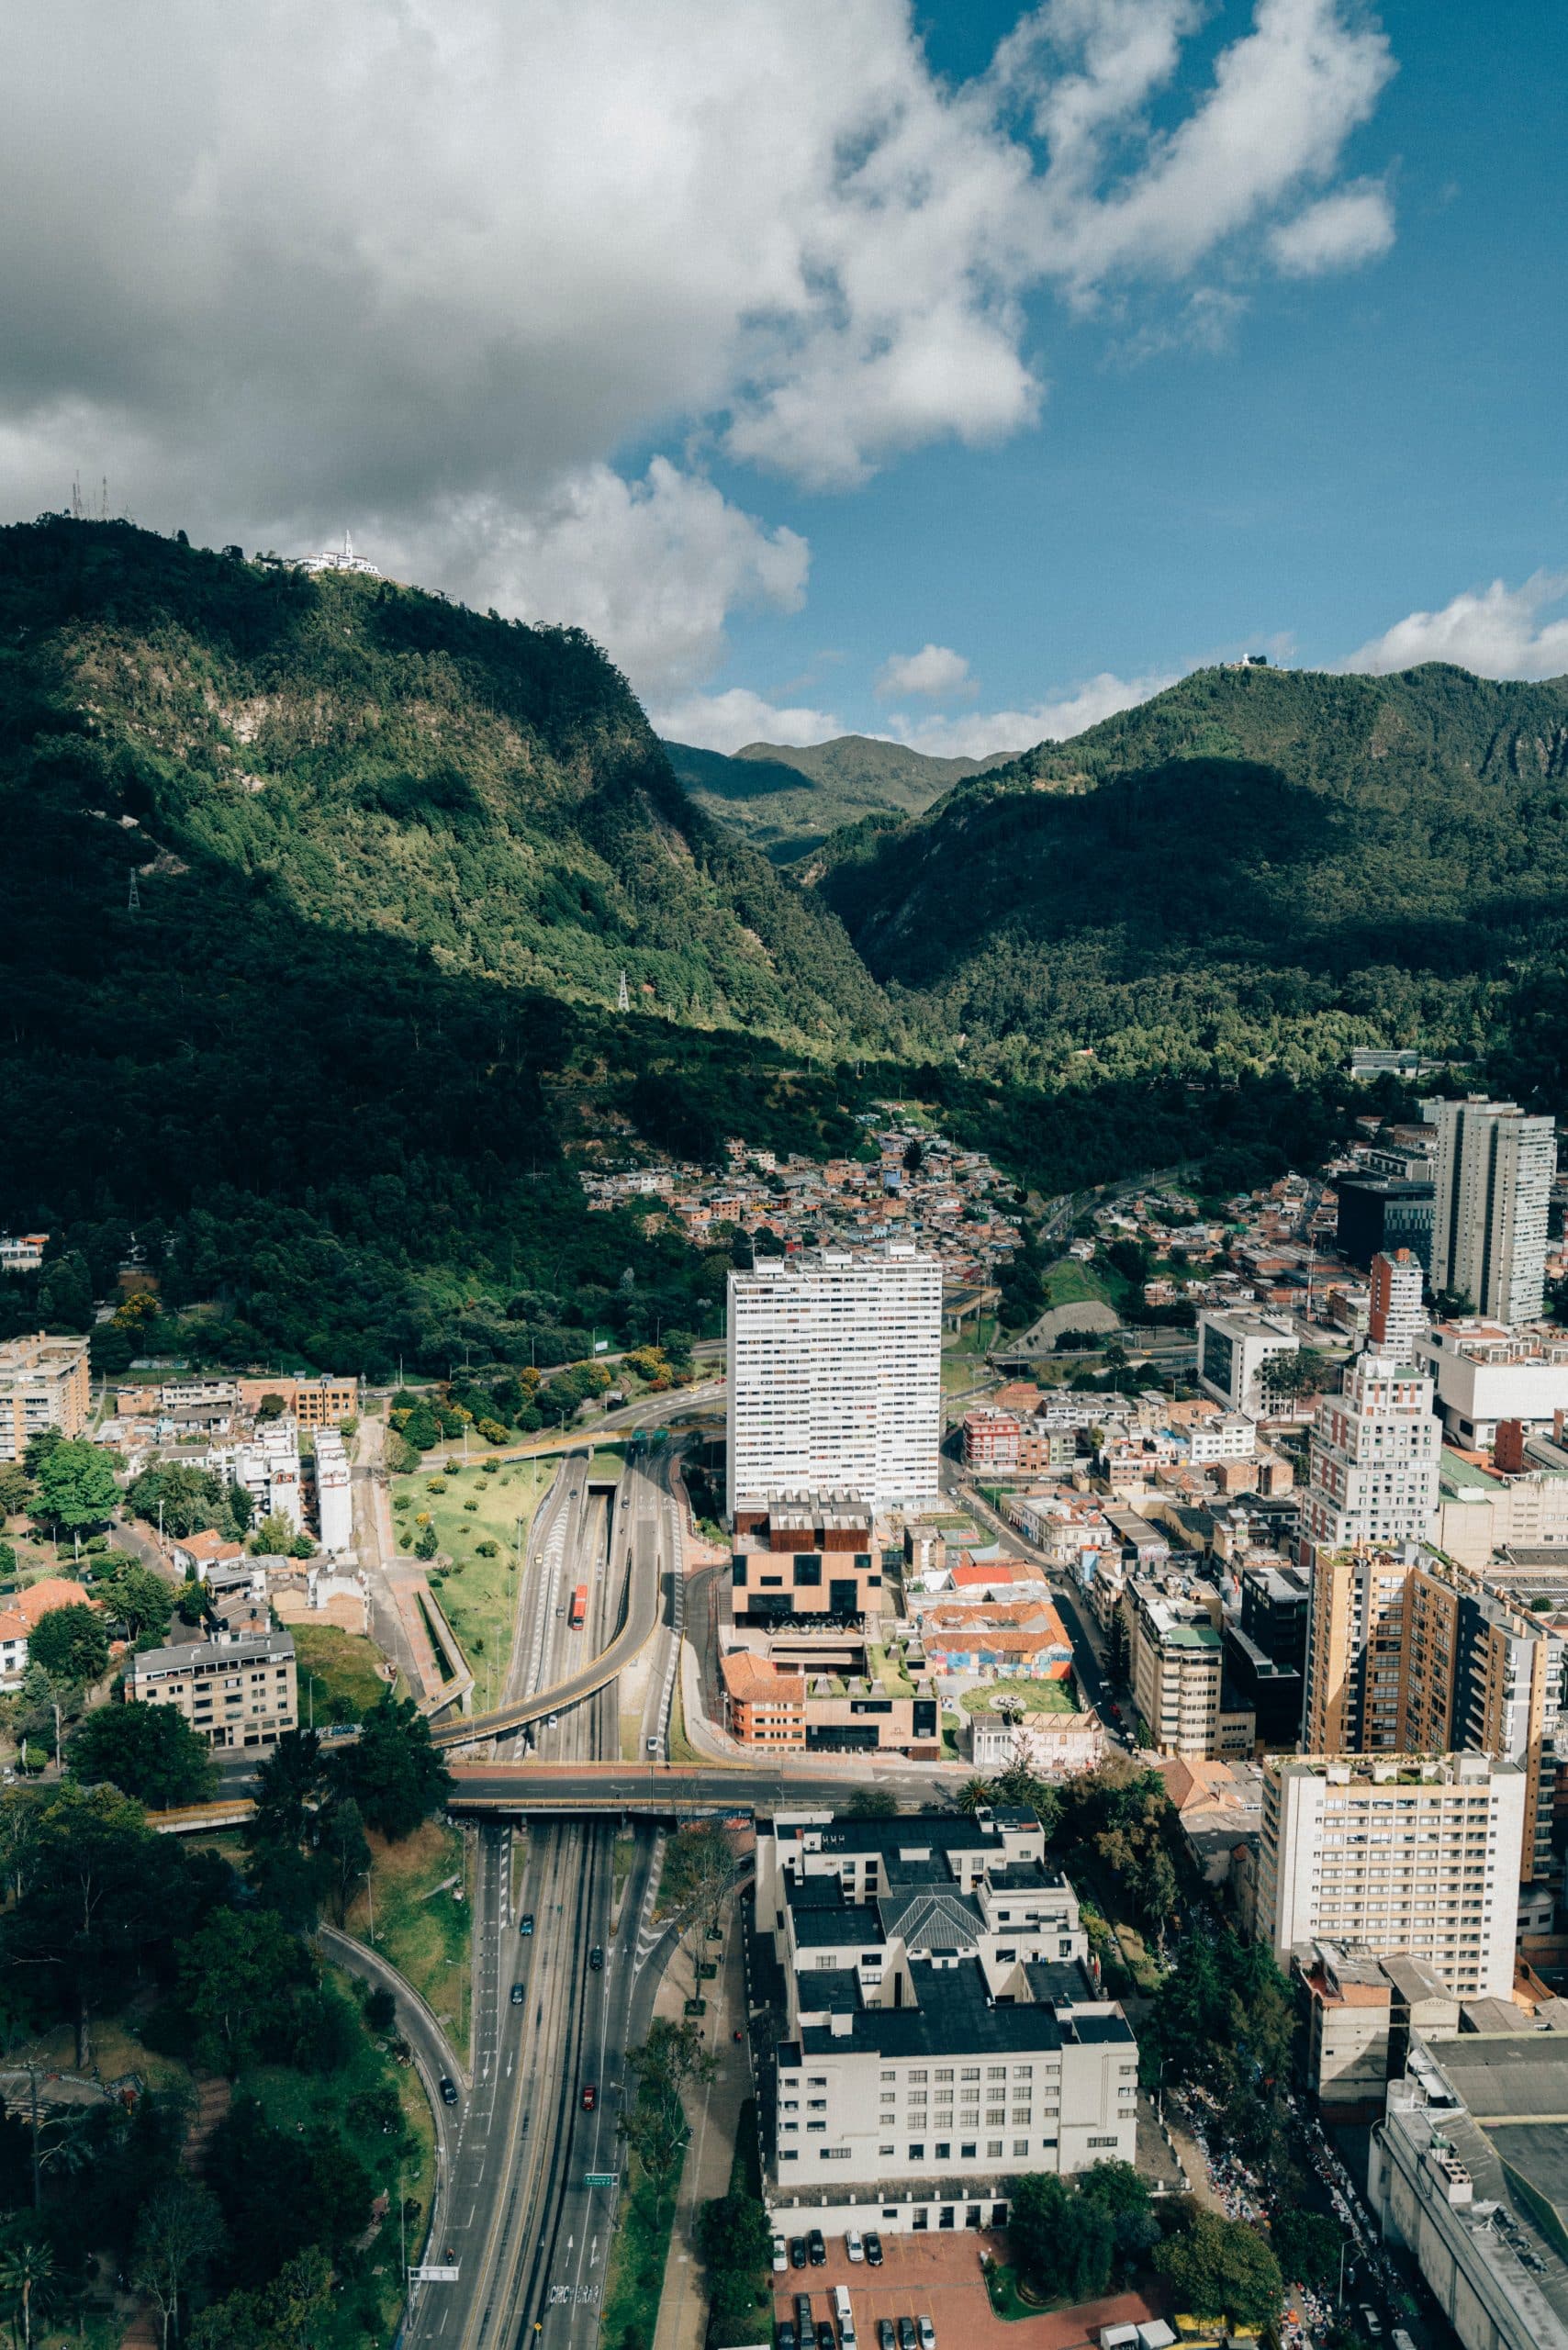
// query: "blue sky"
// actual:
[[943, 368]]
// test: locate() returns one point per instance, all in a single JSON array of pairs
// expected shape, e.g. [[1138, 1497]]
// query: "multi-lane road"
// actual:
[[517, 2219]]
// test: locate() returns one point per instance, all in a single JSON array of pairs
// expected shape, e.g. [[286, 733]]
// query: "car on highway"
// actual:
[[927, 2333], [908, 2338], [780, 2257], [873, 2249], [553, 1721], [797, 2252], [590, 2096], [886, 2338], [817, 2248], [854, 2244], [525, 1923], [596, 1958], [517, 1995], [448, 2089]]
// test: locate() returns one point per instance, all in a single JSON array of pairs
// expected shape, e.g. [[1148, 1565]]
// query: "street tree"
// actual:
[[1223, 2268], [75, 1486], [137, 1598], [71, 1644], [656, 2128], [179, 2232], [150, 1751], [393, 1773], [27, 2283]]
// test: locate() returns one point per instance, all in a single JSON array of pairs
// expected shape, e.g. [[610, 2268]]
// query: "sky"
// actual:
[[958, 372]]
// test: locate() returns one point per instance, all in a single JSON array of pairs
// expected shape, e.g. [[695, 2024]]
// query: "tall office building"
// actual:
[[1372, 1465], [1399, 1853], [836, 1377], [44, 1384], [1395, 1319], [1494, 1171]]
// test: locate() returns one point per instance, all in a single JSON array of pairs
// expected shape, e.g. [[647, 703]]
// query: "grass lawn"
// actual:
[[608, 1460], [339, 1675], [1069, 1283], [478, 1594], [679, 1746], [889, 1672], [116, 2052], [1001, 2284], [1035, 1696], [289, 2098], [425, 1934], [634, 2273]]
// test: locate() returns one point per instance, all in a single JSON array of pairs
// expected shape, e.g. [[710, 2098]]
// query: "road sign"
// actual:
[[600, 2177], [433, 2274]]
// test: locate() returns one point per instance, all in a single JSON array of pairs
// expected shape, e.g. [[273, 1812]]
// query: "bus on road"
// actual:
[[579, 1607]]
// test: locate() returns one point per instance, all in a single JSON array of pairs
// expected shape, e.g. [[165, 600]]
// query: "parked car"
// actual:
[[780, 2257], [873, 2249], [590, 2098], [825, 2340], [817, 2248], [525, 1923], [797, 2252], [448, 2090], [886, 2338], [553, 1720], [517, 1994], [1371, 2324], [853, 2245], [908, 2338], [596, 1958], [927, 2333], [787, 2336], [803, 2317]]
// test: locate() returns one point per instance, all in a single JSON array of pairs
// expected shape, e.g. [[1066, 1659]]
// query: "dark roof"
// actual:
[[942, 1831], [954, 2017], [932, 1919], [1058, 1982], [1025, 1876]]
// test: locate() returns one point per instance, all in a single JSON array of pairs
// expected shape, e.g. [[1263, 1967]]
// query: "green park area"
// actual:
[[412, 1915], [340, 1675], [1068, 1283], [1031, 1696], [478, 1519]]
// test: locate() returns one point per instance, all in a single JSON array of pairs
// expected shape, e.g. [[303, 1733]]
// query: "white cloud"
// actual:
[[1497, 632], [728, 721], [1353, 226], [936, 669], [430, 267], [978, 736]]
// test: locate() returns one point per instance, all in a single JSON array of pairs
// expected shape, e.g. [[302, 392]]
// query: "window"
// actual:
[[1100, 2141], [816, 2105], [970, 2073], [886, 2150], [816, 2080], [917, 2076], [881, 2076], [1023, 2071], [822, 2125], [945, 2073], [1021, 2146], [996, 2072], [917, 2153], [993, 2147], [788, 2154]]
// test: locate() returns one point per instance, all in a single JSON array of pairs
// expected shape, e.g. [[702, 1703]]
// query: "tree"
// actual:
[[284, 2314], [288, 1781], [871, 1803], [139, 1599], [1308, 2245], [76, 1486], [274, 1537], [283, 2191], [392, 1770], [151, 1751], [734, 2237], [180, 2231], [656, 2128], [27, 2280], [345, 1851], [1017, 1784], [178, 1498], [83, 1867], [238, 1977], [1223, 2268], [70, 1643], [16, 1491], [1305, 1372]]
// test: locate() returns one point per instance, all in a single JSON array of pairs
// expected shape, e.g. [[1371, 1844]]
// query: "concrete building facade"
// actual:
[[234, 1693], [1234, 1353], [1372, 1461], [1494, 1189], [44, 1384]]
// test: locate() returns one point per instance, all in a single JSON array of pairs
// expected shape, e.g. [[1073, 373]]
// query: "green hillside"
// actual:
[[391, 857], [1256, 869], [786, 801]]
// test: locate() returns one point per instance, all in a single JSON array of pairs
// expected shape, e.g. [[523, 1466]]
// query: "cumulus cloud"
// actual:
[[728, 721], [978, 736], [1497, 632], [934, 670], [1353, 226], [431, 266]]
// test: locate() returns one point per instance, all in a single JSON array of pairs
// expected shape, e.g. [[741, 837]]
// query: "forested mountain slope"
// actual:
[[786, 801], [391, 857], [1256, 868]]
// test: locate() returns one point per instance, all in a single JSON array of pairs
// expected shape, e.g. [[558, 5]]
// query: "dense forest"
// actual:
[[337, 1070], [787, 799], [1255, 869]]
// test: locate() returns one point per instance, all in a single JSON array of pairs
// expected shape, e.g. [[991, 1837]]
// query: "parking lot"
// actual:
[[939, 2276]]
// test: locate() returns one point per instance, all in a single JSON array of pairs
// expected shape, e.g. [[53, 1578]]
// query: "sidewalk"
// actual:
[[715, 2117]]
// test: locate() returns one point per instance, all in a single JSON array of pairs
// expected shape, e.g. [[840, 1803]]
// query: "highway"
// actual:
[[527, 2237]]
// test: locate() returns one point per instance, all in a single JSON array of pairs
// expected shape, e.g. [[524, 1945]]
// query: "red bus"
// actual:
[[579, 1606]]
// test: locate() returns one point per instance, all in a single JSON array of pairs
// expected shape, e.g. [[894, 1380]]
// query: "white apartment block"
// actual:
[[1494, 1172], [1228, 1435], [940, 2033], [334, 1502], [268, 1468], [1400, 1852], [234, 1692], [1396, 1319], [1372, 1465], [836, 1377], [1484, 1372], [44, 1384], [1234, 1353]]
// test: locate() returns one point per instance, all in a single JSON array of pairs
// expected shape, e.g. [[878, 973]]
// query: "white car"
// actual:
[[927, 2333], [853, 2246], [780, 2257]]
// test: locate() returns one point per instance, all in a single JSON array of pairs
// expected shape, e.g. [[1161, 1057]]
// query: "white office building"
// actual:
[[1483, 1372], [836, 1377], [1398, 1852], [1494, 1172], [1372, 1465], [334, 1505], [1234, 1354], [938, 2030]]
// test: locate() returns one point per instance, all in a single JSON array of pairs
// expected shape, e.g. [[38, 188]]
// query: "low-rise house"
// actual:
[[203, 1553], [1056, 1746]]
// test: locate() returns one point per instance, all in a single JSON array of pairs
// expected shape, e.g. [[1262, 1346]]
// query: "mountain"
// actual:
[[1256, 869], [391, 859], [786, 801]]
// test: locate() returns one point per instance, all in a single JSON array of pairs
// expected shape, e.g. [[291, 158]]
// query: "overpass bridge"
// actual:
[[659, 1791]]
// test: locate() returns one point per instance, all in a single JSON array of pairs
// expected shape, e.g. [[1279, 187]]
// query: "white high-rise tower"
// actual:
[[1494, 1171], [835, 1376]]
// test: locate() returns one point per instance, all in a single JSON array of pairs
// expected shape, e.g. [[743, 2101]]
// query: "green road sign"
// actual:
[[600, 2178]]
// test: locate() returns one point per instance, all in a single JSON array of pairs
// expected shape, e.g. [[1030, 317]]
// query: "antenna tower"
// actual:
[[133, 895], [76, 498], [623, 999]]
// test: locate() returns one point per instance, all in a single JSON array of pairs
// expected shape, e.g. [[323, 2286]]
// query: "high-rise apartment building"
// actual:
[[1395, 1319], [1234, 1354], [1176, 1667], [334, 1491], [1355, 1650], [43, 1384], [1494, 1171], [1400, 1852], [835, 1376], [1372, 1465]]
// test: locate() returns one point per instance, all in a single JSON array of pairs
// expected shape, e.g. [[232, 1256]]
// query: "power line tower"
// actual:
[[623, 999], [133, 895]]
